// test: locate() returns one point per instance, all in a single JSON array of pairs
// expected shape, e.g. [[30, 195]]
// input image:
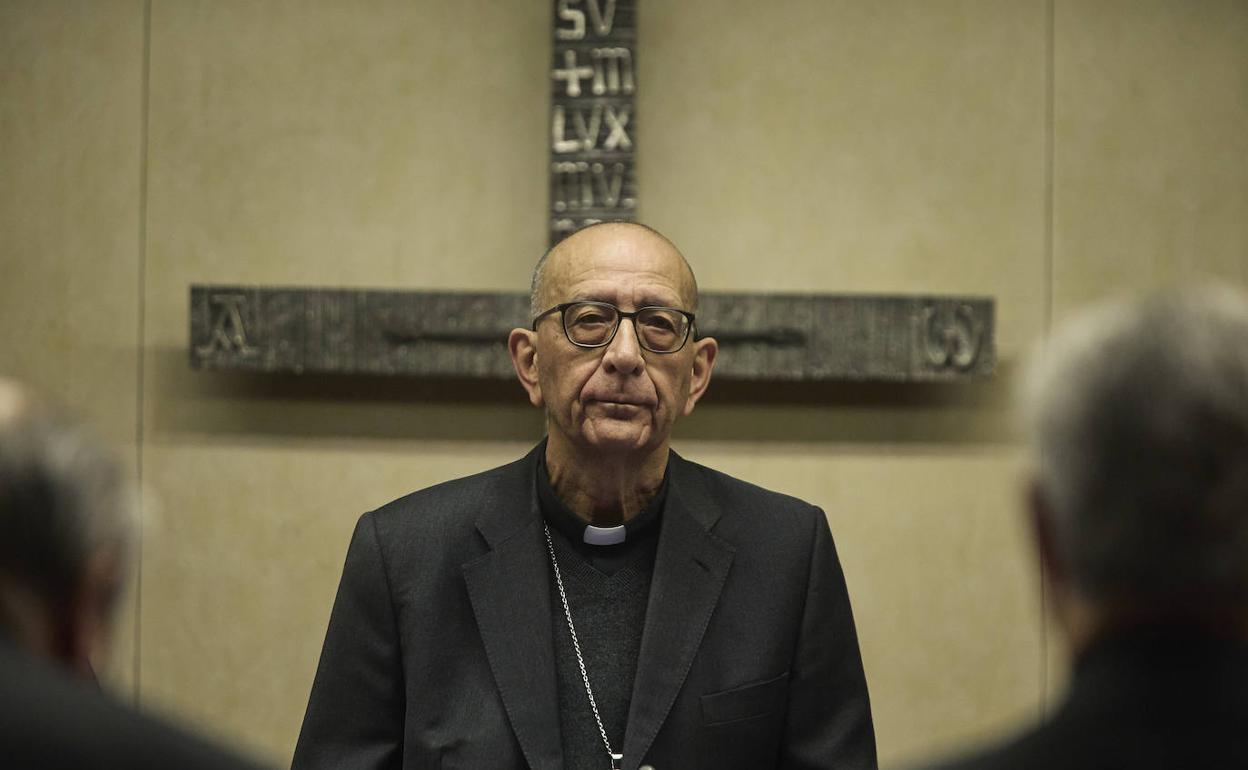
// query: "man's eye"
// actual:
[[660, 323], [590, 319]]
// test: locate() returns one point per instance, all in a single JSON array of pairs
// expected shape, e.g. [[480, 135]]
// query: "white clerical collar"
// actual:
[[605, 535]]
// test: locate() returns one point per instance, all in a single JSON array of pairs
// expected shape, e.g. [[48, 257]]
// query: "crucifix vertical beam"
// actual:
[[593, 118]]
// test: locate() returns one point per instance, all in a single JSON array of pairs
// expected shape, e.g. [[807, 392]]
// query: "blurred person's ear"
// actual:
[[1044, 536], [1078, 618], [91, 612]]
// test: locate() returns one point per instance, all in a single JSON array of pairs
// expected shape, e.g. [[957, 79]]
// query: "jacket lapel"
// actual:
[[690, 568], [509, 588]]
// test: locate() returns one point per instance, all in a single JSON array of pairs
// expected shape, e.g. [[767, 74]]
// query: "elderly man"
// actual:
[[64, 537], [602, 602], [1139, 416]]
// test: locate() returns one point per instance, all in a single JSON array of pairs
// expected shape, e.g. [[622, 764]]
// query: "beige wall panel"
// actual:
[[70, 139], [379, 144], [390, 144], [1151, 146], [843, 146]]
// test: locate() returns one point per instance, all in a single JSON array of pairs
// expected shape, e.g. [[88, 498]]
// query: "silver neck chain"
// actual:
[[576, 645]]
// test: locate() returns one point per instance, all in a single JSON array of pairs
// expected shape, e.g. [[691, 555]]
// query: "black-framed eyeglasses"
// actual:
[[594, 324]]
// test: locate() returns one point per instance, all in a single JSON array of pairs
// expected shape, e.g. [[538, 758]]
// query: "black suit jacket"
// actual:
[[1154, 699], [439, 652], [49, 721]]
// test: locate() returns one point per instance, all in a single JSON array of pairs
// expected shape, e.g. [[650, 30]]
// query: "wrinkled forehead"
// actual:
[[621, 263]]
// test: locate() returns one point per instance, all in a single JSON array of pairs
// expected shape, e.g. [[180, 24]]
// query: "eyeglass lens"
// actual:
[[661, 330]]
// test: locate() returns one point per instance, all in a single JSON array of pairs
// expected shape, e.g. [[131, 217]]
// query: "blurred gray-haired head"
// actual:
[[62, 499], [1138, 413]]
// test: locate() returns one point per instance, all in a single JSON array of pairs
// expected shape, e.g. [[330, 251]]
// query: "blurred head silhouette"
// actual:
[[1138, 414], [65, 531]]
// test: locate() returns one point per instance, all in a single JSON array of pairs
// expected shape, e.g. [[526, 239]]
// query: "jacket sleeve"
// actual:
[[829, 714], [355, 714]]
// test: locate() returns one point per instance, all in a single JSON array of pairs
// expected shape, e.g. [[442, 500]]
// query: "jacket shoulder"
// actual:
[[738, 502], [455, 504]]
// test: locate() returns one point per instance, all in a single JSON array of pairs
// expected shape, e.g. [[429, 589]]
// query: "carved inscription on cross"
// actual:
[[592, 114]]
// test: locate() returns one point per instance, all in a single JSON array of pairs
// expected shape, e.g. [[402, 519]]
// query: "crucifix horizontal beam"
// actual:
[[762, 337]]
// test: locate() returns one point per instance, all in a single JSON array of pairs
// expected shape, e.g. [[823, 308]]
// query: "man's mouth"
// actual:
[[620, 402]]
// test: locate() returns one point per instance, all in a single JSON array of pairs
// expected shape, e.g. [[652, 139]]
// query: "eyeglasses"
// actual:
[[594, 324]]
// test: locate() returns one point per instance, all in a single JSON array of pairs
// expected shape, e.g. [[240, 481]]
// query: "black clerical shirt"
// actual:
[[607, 588]]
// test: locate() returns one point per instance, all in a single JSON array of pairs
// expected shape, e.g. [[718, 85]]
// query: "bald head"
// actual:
[[632, 238]]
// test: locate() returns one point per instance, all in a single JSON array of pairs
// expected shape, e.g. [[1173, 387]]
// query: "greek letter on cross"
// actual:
[[228, 330]]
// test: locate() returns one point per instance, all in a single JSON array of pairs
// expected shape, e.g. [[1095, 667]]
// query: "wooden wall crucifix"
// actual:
[[592, 144]]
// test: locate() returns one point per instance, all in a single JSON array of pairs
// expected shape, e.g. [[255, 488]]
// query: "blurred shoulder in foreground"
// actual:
[[65, 537]]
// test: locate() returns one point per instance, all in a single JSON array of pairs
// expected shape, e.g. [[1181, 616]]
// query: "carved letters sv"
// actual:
[[603, 15]]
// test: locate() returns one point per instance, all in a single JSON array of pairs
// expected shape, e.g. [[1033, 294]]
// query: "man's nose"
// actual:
[[624, 352]]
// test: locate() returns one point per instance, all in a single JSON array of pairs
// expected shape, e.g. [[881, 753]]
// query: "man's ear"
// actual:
[[522, 345], [704, 352]]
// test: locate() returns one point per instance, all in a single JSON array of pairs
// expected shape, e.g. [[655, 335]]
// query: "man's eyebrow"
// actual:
[[591, 297]]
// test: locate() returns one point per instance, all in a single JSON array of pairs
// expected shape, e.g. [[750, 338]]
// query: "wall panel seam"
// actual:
[[144, 95], [1050, 128]]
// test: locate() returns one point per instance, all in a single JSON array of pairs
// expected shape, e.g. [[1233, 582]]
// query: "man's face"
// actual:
[[621, 397]]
